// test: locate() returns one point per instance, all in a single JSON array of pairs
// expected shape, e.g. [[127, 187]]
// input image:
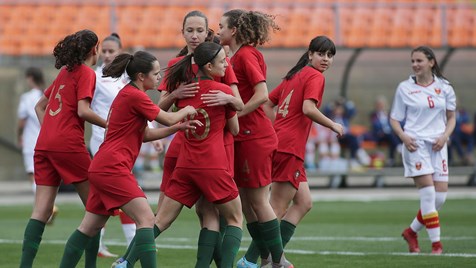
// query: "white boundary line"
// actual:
[[295, 251]]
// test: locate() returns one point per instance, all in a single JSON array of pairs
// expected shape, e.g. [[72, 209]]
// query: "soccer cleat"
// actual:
[[412, 240], [121, 265], [243, 263], [288, 264], [436, 248], [104, 253], [52, 217], [116, 262]]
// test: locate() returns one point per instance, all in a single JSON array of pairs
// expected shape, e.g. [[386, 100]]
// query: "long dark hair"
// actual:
[[252, 27], [320, 44], [74, 49], [430, 56], [140, 62], [182, 71]]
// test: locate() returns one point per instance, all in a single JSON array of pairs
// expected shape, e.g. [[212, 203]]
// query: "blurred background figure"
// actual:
[[381, 131], [462, 139], [28, 124], [342, 111]]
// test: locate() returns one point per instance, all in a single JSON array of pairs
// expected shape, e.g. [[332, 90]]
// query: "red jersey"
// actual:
[[291, 125], [250, 69], [126, 123], [62, 129], [228, 79], [204, 148]]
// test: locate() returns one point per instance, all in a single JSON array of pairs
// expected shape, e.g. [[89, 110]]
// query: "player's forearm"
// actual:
[[166, 101], [259, 97], [397, 128], [91, 117], [152, 134], [450, 123], [268, 108], [171, 118], [236, 103]]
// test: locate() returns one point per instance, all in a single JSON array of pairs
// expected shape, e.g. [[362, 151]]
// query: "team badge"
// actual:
[[437, 91], [418, 165], [297, 174]]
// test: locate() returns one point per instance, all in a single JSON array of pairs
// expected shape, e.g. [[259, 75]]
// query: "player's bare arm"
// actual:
[[259, 97]]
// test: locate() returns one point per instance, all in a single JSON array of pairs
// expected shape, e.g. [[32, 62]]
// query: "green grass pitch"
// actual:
[[333, 234]]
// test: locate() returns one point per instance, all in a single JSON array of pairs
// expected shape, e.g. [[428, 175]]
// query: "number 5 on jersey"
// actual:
[[57, 96]]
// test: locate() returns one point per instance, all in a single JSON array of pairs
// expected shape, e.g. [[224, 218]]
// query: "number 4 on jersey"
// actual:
[[283, 108]]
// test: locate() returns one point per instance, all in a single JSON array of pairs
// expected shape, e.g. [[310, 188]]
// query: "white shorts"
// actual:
[[426, 161], [28, 162]]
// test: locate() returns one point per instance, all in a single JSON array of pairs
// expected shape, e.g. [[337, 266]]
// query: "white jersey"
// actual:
[[26, 111], [423, 107], [107, 89]]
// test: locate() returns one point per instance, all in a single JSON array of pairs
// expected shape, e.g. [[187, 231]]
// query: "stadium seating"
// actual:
[[34, 27]]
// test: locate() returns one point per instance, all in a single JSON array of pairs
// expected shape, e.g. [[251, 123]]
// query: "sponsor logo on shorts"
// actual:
[[418, 165], [297, 174]]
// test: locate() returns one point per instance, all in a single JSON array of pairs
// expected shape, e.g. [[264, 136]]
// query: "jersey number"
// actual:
[[283, 108], [431, 103], [206, 126], [57, 96]]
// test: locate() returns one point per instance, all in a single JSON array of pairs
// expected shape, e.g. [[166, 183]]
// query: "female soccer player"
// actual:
[[113, 185], [107, 89], [256, 143], [195, 31], [60, 152], [427, 104], [202, 166], [297, 99]]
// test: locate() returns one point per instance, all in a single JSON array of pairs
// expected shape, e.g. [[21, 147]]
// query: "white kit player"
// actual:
[[426, 103], [29, 126]]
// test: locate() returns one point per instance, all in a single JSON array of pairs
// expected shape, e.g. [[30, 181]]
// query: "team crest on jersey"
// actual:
[[297, 174], [418, 165], [437, 91]]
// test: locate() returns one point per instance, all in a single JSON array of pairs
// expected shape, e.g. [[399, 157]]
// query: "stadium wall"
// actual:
[[376, 72]]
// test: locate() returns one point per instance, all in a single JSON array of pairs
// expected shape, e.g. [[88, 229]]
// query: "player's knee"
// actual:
[[279, 209], [305, 206]]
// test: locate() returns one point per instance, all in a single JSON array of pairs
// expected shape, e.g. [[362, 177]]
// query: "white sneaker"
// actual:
[[363, 157], [104, 253]]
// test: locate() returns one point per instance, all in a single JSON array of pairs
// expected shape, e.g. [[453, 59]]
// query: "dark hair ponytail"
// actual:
[[74, 49], [320, 44], [140, 62], [430, 56], [115, 38], [182, 72]]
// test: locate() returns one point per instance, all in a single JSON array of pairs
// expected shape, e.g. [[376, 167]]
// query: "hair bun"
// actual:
[[116, 35]]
